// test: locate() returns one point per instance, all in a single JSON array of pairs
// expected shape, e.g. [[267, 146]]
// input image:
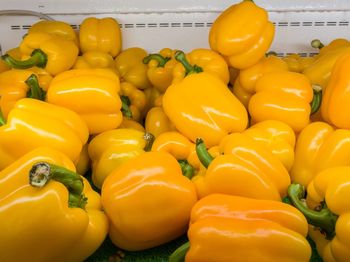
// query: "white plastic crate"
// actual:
[[184, 24]]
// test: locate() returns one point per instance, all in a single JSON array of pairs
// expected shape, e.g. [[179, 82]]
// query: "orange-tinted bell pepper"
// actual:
[[92, 93], [148, 201], [157, 122], [242, 33], [232, 228]]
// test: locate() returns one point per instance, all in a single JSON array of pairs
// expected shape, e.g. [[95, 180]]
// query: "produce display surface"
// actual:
[[194, 132]]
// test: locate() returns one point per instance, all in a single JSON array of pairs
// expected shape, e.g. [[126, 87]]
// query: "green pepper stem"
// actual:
[[179, 254], [316, 43], [181, 57], [323, 219], [186, 168], [316, 100], [35, 91], [159, 58], [38, 58], [2, 119], [149, 138], [203, 153], [41, 173], [126, 106]]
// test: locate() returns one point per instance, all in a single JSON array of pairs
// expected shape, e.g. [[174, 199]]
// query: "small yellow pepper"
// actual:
[[110, 149], [92, 93], [297, 63], [48, 51], [157, 122], [129, 123], [148, 201], [130, 66], [61, 216], [232, 228], [153, 98], [41, 124], [103, 35], [94, 59], [242, 33], [160, 68]]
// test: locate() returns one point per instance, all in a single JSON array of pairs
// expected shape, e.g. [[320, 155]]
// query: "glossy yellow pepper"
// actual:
[[14, 52], [129, 123], [148, 201], [82, 165], [244, 168], [297, 63], [229, 228], [157, 122], [241, 93], [134, 99], [130, 66], [242, 33], [33, 123], [333, 45], [319, 146], [283, 96], [48, 51], [94, 59], [153, 97], [57, 28], [61, 216], [160, 68], [92, 93], [336, 96], [328, 211], [201, 105], [110, 149], [100, 34], [200, 60]]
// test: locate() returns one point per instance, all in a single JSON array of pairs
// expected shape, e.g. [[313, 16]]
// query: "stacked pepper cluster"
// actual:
[[245, 152]]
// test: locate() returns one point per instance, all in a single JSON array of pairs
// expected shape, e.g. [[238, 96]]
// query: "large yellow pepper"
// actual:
[[336, 96], [157, 122], [130, 66], [61, 217], [327, 211], [33, 123], [148, 201], [92, 93], [283, 96], [111, 149], [244, 167], [201, 105], [200, 60], [160, 68], [231, 228], [48, 51], [103, 35], [242, 33], [319, 146], [94, 59]]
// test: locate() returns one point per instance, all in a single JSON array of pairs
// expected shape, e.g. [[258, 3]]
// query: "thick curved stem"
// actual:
[[149, 138], [316, 43], [38, 58], [35, 91], [203, 153], [126, 106], [179, 254], [181, 57], [186, 168], [2, 119], [41, 173], [323, 219], [159, 58], [316, 100]]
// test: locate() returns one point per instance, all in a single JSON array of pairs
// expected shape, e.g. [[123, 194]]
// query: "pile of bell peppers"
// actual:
[[245, 152]]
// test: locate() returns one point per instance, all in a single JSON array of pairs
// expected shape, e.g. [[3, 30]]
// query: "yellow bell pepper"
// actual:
[[129, 123], [244, 168], [241, 93], [232, 228], [110, 149], [319, 146], [336, 96], [153, 97], [92, 93], [148, 201], [48, 51], [201, 105], [134, 99], [57, 28], [160, 68], [283, 96], [103, 35], [333, 45], [328, 211], [242, 33], [14, 52], [200, 60], [157, 122], [94, 59], [41, 124], [61, 216], [130, 66], [298, 63], [82, 165]]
